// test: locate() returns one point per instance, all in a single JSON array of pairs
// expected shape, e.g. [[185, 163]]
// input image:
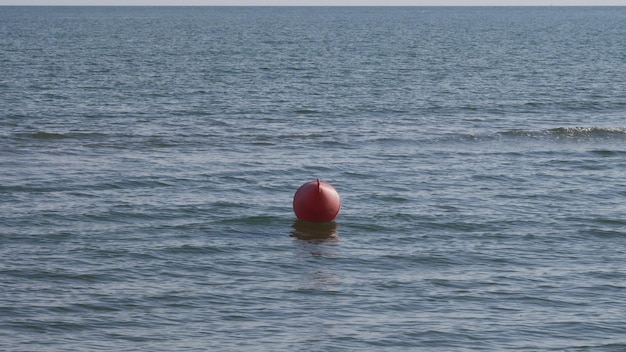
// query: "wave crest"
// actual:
[[577, 132], [588, 131]]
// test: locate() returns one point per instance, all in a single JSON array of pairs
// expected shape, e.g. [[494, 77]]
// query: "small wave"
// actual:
[[608, 152], [306, 112], [42, 135], [588, 131], [45, 135], [521, 133], [577, 132], [252, 220], [193, 249]]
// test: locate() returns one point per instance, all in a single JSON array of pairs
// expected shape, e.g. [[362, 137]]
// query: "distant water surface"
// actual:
[[149, 156]]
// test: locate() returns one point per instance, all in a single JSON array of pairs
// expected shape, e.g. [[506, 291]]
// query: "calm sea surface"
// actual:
[[149, 157]]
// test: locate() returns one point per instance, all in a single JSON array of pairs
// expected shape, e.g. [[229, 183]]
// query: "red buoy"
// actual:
[[316, 201]]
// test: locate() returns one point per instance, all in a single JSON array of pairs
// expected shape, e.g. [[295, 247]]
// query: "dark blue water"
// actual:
[[149, 156]]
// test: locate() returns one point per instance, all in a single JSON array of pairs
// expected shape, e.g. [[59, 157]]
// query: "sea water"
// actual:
[[149, 157]]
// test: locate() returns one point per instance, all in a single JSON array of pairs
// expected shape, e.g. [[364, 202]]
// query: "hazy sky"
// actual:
[[324, 2]]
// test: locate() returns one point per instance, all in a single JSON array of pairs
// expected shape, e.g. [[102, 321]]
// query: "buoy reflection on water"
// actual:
[[315, 231]]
